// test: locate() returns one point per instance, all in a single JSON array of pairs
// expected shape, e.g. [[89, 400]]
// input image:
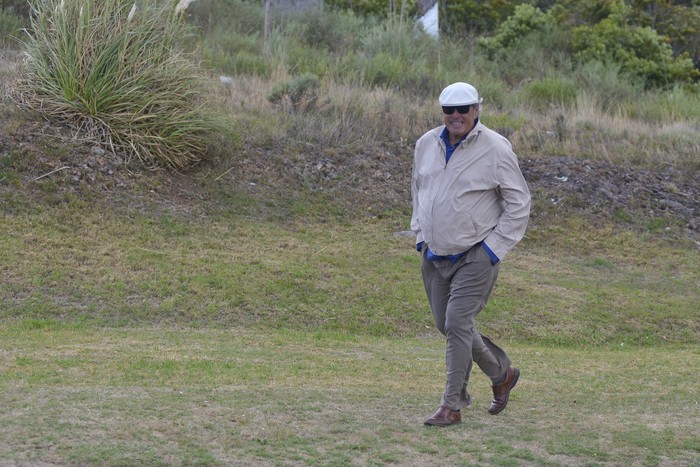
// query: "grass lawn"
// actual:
[[72, 394], [143, 339]]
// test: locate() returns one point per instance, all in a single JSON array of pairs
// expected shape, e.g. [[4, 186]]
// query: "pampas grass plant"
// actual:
[[115, 72]]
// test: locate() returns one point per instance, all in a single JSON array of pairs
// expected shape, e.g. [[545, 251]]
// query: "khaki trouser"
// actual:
[[457, 293]]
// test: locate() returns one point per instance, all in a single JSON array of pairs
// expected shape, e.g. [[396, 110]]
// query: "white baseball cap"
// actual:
[[459, 94]]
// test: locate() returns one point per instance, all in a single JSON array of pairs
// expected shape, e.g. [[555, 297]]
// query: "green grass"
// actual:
[[75, 394], [154, 337], [564, 285]]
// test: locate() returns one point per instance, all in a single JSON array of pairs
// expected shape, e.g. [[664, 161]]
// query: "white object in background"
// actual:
[[429, 21]]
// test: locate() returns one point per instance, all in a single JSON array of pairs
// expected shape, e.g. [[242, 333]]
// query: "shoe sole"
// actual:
[[515, 381]]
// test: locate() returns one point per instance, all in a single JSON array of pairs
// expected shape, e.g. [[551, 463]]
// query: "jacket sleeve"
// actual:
[[415, 223], [516, 198]]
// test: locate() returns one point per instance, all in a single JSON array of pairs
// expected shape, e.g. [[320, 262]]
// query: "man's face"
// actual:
[[459, 124]]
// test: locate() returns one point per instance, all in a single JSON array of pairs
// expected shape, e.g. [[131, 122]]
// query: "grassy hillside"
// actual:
[[285, 238], [265, 307]]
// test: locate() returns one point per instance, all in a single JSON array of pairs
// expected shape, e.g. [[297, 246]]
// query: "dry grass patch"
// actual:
[[585, 131], [174, 396]]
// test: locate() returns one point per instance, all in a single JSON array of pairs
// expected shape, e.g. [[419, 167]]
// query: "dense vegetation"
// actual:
[[592, 73]]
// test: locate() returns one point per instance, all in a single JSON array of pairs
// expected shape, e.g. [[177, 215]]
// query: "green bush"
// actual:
[[494, 92], [662, 108], [526, 61], [607, 84], [18, 8], [234, 53], [504, 123], [475, 16], [545, 93], [300, 92], [336, 32], [526, 19], [385, 69], [399, 57], [374, 8], [231, 34], [680, 103], [228, 42], [527, 45], [348, 68], [398, 40], [115, 72], [640, 51], [243, 62]]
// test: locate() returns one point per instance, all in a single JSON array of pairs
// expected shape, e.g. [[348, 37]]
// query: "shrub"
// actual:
[[547, 92], [493, 91], [234, 53], [662, 108], [474, 15], [115, 72], [385, 69], [525, 20], [607, 83], [300, 92], [319, 62], [504, 123], [336, 32], [640, 51], [18, 8], [397, 56], [374, 8], [398, 40], [527, 45]]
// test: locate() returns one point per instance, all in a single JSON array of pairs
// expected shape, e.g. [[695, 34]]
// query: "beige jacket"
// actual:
[[479, 195]]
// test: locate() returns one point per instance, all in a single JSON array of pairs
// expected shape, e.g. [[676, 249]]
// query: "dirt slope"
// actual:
[[40, 160]]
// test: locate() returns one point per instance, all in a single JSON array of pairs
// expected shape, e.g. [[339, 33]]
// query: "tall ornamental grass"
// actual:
[[10, 25], [115, 72]]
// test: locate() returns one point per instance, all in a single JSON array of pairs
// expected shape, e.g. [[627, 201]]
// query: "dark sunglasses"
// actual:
[[450, 109]]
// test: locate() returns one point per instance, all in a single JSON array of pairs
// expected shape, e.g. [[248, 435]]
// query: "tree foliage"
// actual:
[[605, 31], [640, 51], [573, 13], [474, 16], [678, 21], [526, 19]]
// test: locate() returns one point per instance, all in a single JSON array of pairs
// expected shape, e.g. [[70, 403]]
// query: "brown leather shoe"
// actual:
[[502, 391], [445, 417]]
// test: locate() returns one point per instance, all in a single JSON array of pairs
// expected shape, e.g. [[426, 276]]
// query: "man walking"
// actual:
[[471, 206]]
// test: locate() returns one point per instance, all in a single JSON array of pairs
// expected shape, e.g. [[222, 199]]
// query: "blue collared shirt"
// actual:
[[449, 149]]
